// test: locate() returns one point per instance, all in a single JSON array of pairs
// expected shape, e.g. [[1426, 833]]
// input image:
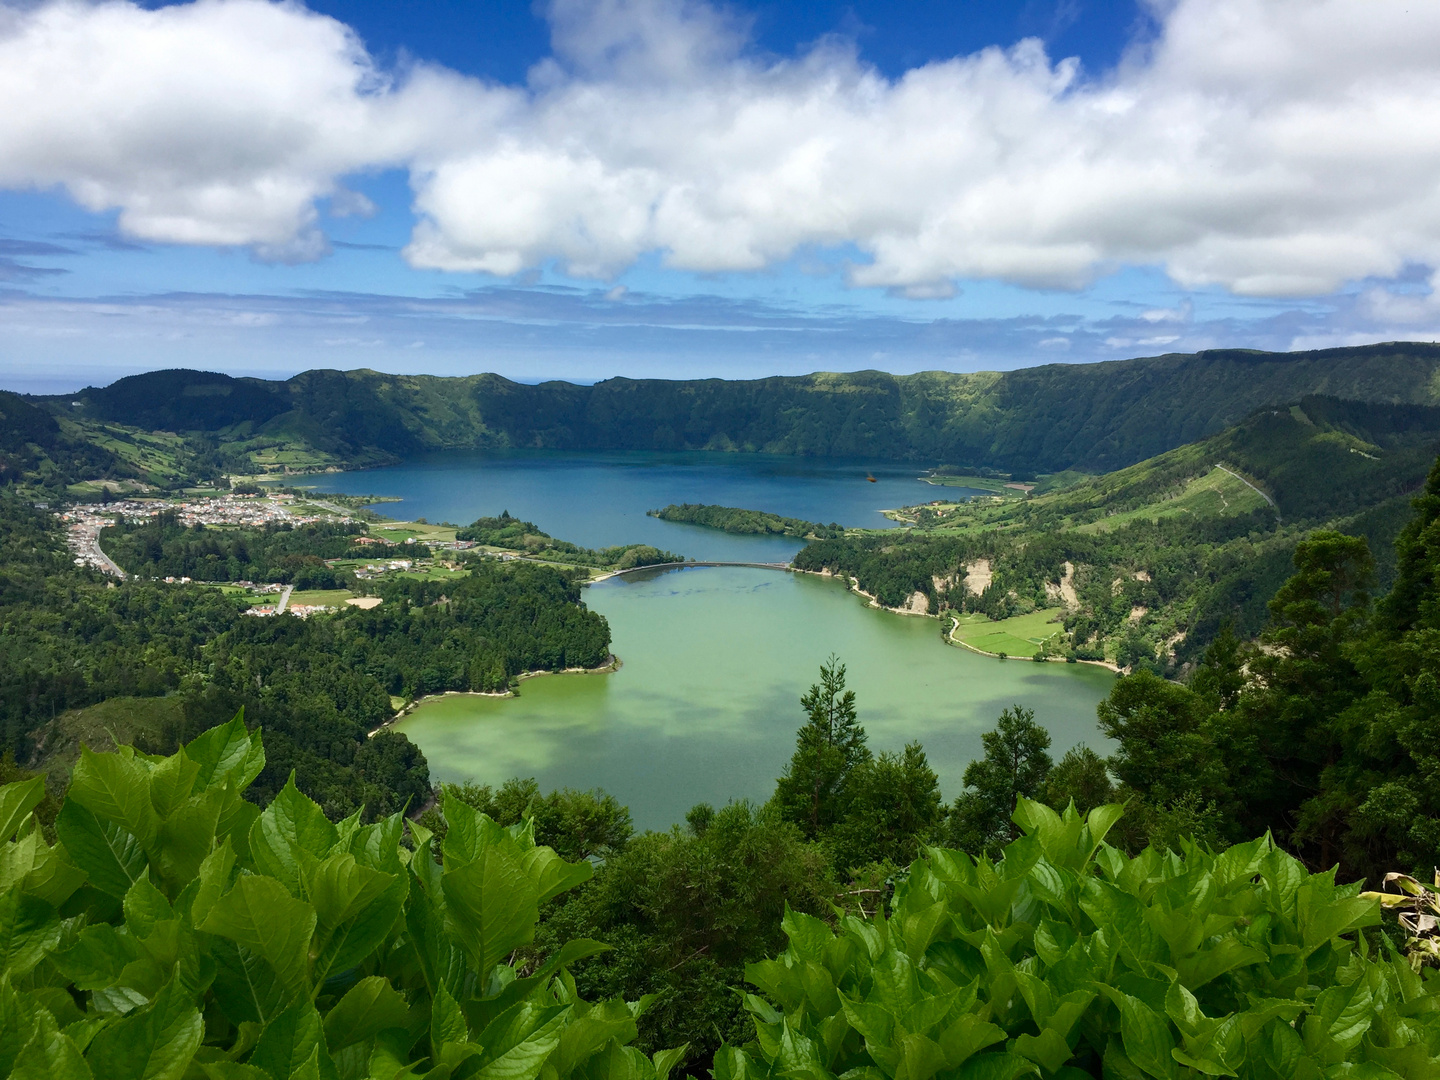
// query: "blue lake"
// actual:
[[599, 500]]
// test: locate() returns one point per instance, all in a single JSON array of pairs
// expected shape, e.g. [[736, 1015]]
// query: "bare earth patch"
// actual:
[[366, 602], [978, 576]]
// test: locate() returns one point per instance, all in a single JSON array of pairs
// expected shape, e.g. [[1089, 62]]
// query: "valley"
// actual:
[[1229, 637]]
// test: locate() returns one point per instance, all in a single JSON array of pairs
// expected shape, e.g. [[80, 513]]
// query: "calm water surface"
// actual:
[[598, 500], [706, 704]]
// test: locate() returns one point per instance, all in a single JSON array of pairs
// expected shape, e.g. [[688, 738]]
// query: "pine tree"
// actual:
[[828, 747]]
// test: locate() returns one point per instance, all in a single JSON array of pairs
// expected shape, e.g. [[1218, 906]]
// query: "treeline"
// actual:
[[1044, 419], [747, 522], [70, 639], [516, 535], [279, 553]]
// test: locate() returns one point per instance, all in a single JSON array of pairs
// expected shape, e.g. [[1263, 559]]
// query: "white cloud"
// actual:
[[219, 122], [1269, 146]]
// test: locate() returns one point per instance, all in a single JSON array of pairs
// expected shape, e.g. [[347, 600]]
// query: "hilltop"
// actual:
[[1089, 417]]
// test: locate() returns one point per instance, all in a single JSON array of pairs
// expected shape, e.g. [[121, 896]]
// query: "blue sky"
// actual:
[[667, 188]]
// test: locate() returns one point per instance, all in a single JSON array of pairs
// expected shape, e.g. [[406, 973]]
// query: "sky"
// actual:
[[581, 189]]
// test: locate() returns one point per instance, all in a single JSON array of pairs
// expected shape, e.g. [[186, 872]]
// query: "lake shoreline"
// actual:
[[706, 710], [852, 585], [613, 664], [951, 639]]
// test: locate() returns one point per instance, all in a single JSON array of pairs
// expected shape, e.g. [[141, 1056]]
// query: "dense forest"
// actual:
[[747, 522], [1097, 417], [70, 639]]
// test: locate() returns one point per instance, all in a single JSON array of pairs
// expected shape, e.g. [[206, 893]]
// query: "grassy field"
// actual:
[[400, 531], [154, 453], [124, 720], [238, 594], [1215, 494], [86, 489], [322, 597], [982, 483], [1019, 636], [294, 456], [428, 573]]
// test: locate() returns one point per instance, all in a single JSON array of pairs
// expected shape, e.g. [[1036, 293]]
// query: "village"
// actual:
[[85, 522]]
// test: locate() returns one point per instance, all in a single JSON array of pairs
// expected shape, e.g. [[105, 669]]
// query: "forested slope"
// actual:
[[1145, 564], [1096, 417], [70, 639]]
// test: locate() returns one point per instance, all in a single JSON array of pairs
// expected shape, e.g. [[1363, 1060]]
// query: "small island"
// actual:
[[732, 519]]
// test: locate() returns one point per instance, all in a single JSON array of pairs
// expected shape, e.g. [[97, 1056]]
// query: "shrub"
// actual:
[[1067, 959], [176, 931]]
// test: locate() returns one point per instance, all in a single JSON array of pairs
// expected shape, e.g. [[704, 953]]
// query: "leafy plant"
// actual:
[[177, 932], [1067, 959]]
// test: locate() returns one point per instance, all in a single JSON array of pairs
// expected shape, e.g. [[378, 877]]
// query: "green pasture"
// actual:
[[400, 531], [1020, 635], [325, 597], [1215, 494], [984, 483]]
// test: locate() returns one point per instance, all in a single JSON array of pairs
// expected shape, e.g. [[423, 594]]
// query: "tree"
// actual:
[[1015, 764], [1221, 675], [1383, 780], [1163, 750], [893, 808], [828, 747], [1306, 681], [685, 910], [577, 824], [1080, 777]]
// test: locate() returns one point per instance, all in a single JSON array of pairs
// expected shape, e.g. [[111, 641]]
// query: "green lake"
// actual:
[[705, 705]]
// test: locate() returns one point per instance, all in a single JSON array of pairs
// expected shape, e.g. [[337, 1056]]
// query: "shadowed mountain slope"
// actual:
[[1095, 417]]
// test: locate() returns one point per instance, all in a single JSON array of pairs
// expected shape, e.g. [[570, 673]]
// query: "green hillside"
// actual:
[[1148, 562], [35, 448], [1095, 417], [1317, 460]]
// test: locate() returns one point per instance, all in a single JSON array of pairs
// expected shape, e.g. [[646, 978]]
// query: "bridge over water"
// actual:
[[698, 562]]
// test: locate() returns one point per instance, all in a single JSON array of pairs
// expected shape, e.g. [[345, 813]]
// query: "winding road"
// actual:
[[85, 543]]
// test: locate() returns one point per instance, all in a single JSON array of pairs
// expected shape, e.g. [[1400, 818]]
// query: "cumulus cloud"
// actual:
[[1272, 147], [210, 123]]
